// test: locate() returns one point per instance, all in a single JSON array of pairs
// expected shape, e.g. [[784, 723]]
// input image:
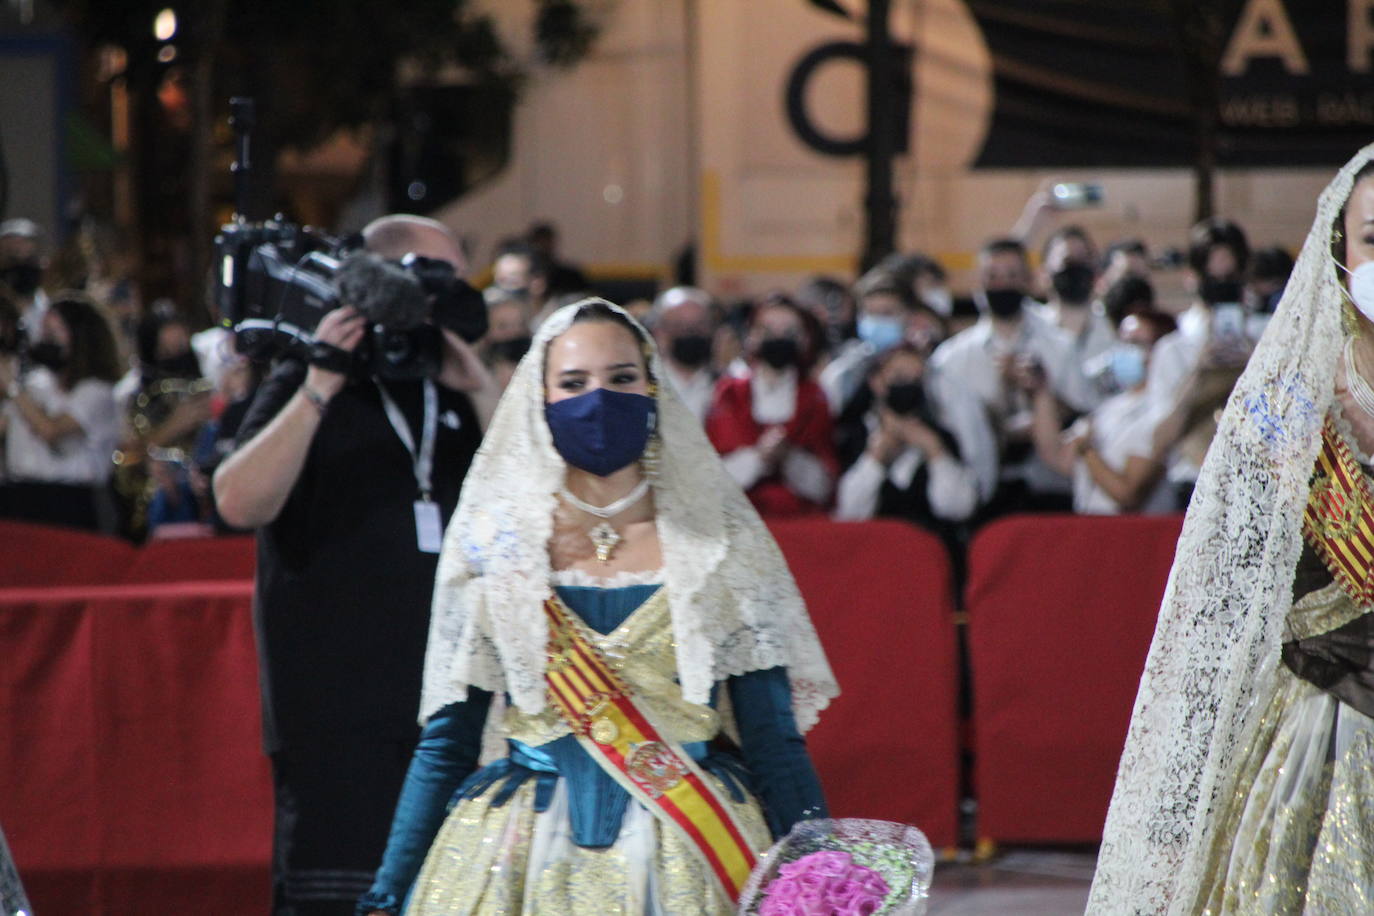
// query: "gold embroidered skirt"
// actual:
[[512, 860], [1299, 833]]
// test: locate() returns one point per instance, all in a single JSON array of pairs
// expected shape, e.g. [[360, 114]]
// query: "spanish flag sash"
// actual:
[[1339, 521], [618, 734]]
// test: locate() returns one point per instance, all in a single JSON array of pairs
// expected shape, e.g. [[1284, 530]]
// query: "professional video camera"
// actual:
[[276, 280]]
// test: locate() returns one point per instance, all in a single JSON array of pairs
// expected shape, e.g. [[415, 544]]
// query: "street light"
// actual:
[[165, 25]]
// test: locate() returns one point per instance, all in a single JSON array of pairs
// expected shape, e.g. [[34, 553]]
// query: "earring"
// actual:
[[652, 458], [1350, 323]]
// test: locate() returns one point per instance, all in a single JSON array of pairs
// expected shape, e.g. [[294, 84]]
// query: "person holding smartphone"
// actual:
[[1194, 369]]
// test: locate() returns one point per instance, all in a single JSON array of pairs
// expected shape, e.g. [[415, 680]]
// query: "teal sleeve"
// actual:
[[446, 754], [774, 750]]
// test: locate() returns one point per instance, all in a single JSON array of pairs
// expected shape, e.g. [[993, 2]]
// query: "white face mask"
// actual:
[[1361, 290]]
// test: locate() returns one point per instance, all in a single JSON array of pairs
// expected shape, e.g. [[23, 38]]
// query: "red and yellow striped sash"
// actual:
[[1339, 521], [619, 735]]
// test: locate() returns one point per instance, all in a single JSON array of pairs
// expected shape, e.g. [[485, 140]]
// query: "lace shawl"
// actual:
[[1215, 656], [734, 605]]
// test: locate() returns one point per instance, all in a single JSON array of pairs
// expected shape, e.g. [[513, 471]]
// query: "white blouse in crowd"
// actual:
[[80, 458], [971, 360], [1122, 428], [773, 403], [951, 487], [1171, 361]]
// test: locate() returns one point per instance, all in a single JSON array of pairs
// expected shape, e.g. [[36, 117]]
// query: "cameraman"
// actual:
[[332, 469]]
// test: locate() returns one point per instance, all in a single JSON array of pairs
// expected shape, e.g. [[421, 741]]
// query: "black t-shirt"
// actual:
[[341, 606]]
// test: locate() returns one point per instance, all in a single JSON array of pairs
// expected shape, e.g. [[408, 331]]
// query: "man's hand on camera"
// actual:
[[343, 328], [464, 371]]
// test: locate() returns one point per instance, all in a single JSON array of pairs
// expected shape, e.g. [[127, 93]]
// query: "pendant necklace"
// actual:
[[604, 537]]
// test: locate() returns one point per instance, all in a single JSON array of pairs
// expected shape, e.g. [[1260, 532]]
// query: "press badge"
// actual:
[[429, 529]]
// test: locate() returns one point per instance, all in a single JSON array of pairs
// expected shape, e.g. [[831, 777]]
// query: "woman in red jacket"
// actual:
[[772, 423]]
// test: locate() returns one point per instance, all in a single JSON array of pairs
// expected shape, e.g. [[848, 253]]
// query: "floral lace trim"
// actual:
[[624, 579]]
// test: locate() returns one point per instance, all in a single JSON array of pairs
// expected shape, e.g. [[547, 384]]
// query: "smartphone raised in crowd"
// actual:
[[1075, 195]]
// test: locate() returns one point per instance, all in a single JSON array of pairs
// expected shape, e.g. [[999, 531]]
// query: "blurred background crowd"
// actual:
[[1062, 380]]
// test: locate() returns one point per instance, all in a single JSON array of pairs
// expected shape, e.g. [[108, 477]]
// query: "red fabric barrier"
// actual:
[[133, 771], [131, 761], [40, 555], [1061, 613], [195, 560], [879, 595]]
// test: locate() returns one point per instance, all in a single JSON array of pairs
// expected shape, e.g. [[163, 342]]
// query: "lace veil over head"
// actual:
[[1214, 661], [734, 605]]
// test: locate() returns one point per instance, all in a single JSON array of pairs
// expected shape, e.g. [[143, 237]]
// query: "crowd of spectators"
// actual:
[[1059, 382]]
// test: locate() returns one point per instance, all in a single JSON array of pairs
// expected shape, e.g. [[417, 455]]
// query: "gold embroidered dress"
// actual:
[[500, 855], [1298, 834]]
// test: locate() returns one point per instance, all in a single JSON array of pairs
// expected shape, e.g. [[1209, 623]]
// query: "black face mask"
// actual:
[[779, 352], [1216, 290], [1004, 303], [1073, 283], [907, 398], [49, 355], [23, 278], [692, 350]]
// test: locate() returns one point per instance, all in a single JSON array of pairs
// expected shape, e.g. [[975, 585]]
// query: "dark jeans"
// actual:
[[334, 802]]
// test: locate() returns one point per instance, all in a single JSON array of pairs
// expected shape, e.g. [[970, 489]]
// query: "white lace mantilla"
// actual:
[[1214, 661], [732, 600]]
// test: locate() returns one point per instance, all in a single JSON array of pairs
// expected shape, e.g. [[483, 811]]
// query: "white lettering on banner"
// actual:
[[1264, 31], [1360, 34], [1261, 111], [1345, 109]]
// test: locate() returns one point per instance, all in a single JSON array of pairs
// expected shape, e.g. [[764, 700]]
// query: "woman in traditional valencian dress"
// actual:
[[652, 662], [1247, 781]]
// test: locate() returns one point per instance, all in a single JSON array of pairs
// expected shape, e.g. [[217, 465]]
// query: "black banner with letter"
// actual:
[[1092, 83]]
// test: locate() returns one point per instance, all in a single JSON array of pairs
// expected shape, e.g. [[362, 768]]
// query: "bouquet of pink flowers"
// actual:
[[842, 868], [827, 882]]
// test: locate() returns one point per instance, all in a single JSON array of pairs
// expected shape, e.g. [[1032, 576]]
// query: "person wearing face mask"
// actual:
[[59, 419], [1195, 368], [684, 328], [609, 581], [910, 467], [1218, 255], [888, 314], [348, 481], [983, 361], [772, 424], [1110, 452], [21, 269], [1070, 280], [1244, 783]]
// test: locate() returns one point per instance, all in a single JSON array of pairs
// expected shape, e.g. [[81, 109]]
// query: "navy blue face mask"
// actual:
[[601, 431]]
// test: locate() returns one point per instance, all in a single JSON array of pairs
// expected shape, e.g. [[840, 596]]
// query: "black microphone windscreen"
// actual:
[[383, 290]]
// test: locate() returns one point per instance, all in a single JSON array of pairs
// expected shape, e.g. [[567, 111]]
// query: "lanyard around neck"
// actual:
[[423, 457]]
